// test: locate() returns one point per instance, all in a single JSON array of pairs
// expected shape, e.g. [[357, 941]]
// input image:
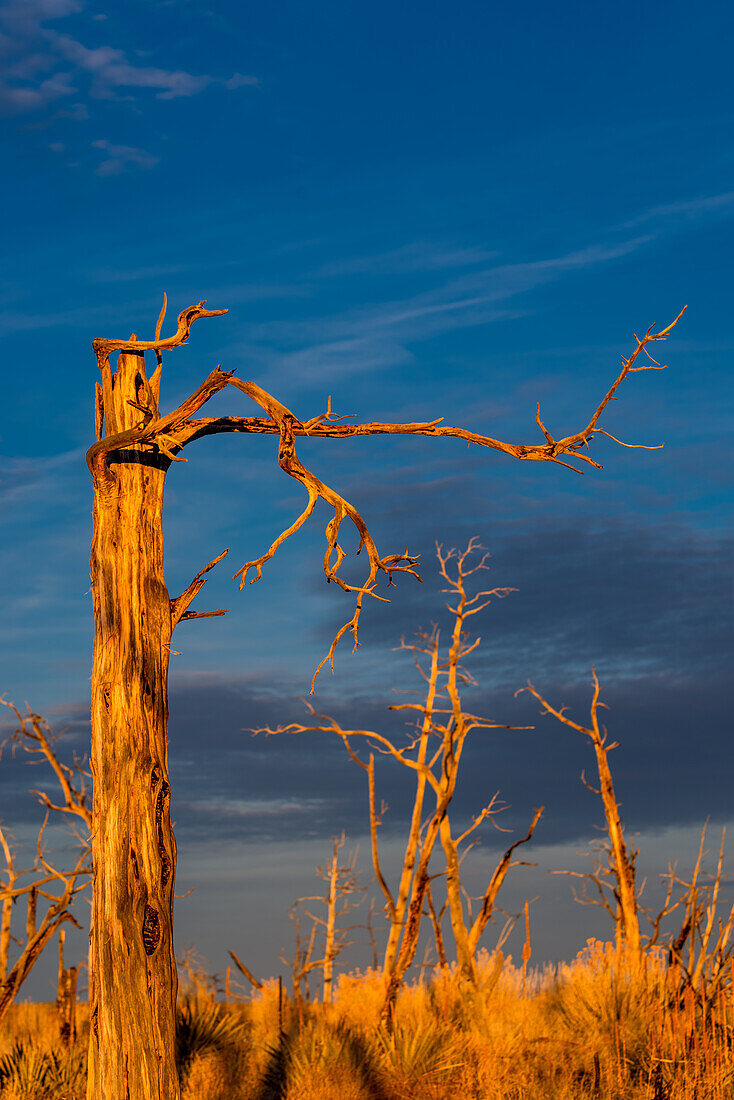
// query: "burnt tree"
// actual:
[[131, 951]]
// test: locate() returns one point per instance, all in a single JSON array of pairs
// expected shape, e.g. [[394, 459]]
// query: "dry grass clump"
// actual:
[[598, 1027], [635, 1028], [209, 1074]]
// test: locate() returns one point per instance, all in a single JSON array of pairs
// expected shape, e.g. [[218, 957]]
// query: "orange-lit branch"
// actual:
[[167, 435]]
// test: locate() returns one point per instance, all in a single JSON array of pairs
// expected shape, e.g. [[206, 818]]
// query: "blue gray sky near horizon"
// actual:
[[421, 211]]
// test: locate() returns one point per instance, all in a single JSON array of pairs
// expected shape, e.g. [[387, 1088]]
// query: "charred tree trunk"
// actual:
[[134, 852]]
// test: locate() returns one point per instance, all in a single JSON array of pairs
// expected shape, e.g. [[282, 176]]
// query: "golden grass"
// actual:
[[596, 1027]]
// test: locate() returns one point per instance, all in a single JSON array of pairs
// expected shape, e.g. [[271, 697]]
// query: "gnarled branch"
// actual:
[[169, 434]]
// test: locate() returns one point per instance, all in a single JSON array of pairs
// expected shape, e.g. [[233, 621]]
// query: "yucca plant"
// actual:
[[67, 1074], [322, 1045], [453, 1001], [605, 1005], [24, 1069], [205, 1026], [409, 1055], [29, 1071]]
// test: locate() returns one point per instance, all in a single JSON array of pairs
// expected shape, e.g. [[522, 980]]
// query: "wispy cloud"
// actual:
[[25, 17], [685, 210], [105, 315], [414, 257], [256, 807], [23, 477], [43, 65], [119, 157], [379, 336], [111, 71], [135, 274]]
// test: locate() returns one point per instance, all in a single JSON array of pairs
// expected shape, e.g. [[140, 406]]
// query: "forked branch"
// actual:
[[500, 873], [180, 605], [35, 738], [38, 932], [167, 435]]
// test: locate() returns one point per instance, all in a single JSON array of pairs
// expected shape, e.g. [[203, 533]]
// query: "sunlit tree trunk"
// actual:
[[464, 955], [329, 950], [397, 915], [628, 925], [134, 852], [622, 859]]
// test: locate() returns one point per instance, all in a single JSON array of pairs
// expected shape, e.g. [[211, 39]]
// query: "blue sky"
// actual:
[[422, 210]]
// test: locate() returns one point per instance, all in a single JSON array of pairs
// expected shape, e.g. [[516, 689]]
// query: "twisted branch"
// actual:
[[169, 434], [104, 348]]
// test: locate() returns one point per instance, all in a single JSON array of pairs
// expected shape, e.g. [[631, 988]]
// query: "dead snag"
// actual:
[[132, 1036], [39, 927], [66, 996], [623, 906], [34, 737], [433, 753]]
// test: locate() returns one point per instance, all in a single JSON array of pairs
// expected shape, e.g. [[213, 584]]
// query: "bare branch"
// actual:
[[571, 445], [186, 318], [163, 434], [488, 811], [389, 900], [37, 936], [247, 973], [179, 605], [495, 884], [622, 860], [436, 924], [38, 740], [168, 434]]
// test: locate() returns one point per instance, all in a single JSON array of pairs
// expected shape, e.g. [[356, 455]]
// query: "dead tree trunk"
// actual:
[[437, 931], [66, 996], [622, 859], [434, 754], [465, 960], [330, 951], [134, 852], [7, 913]]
